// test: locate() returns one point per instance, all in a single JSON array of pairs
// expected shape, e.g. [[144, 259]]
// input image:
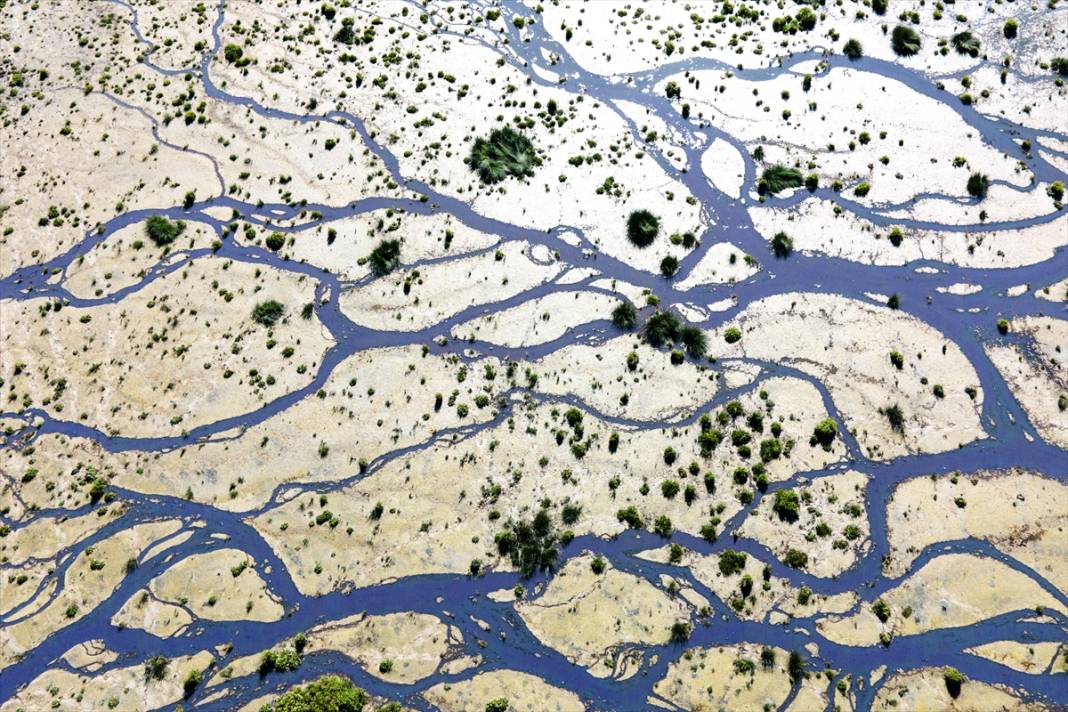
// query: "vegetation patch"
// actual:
[[505, 153]]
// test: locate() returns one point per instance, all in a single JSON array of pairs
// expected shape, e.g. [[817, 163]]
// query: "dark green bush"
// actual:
[[905, 41], [385, 257], [162, 231], [505, 153], [782, 245], [669, 266], [642, 228], [853, 49], [966, 43], [694, 340], [778, 178], [329, 693], [268, 312], [661, 328], [731, 562], [787, 505], [625, 316]]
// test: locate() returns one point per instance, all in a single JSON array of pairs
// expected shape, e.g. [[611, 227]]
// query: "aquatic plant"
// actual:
[[505, 153], [642, 228]]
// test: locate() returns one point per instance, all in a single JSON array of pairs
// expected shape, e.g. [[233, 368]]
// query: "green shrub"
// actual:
[[978, 185], [1056, 190], [896, 417], [778, 178], [881, 610], [505, 153], [825, 432], [642, 228], [732, 335], [156, 667], [162, 231], [680, 632], [232, 53], [1059, 65], [661, 327], [625, 316], [499, 704], [795, 558], [191, 682], [731, 562], [782, 245], [904, 41], [853, 49], [598, 565], [954, 679], [275, 241], [329, 693], [1010, 29], [268, 312], [385, 257], [879, 6], [694, 340], [787, 505], [630, 517], [966, 43]]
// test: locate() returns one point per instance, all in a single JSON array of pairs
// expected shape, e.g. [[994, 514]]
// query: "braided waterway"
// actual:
[[963, 319]]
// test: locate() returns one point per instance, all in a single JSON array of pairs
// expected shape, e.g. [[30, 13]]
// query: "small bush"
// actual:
[[275, 241], [966, 43], [669, 266], [732, 335], [954, 679], [694, 340], [825, 432], [853, 49], [795, 558], [1010, 29], [329, 693]]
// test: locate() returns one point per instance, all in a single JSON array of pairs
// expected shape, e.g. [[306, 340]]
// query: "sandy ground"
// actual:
[[926, 510], [590, 618], [829, 337]]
